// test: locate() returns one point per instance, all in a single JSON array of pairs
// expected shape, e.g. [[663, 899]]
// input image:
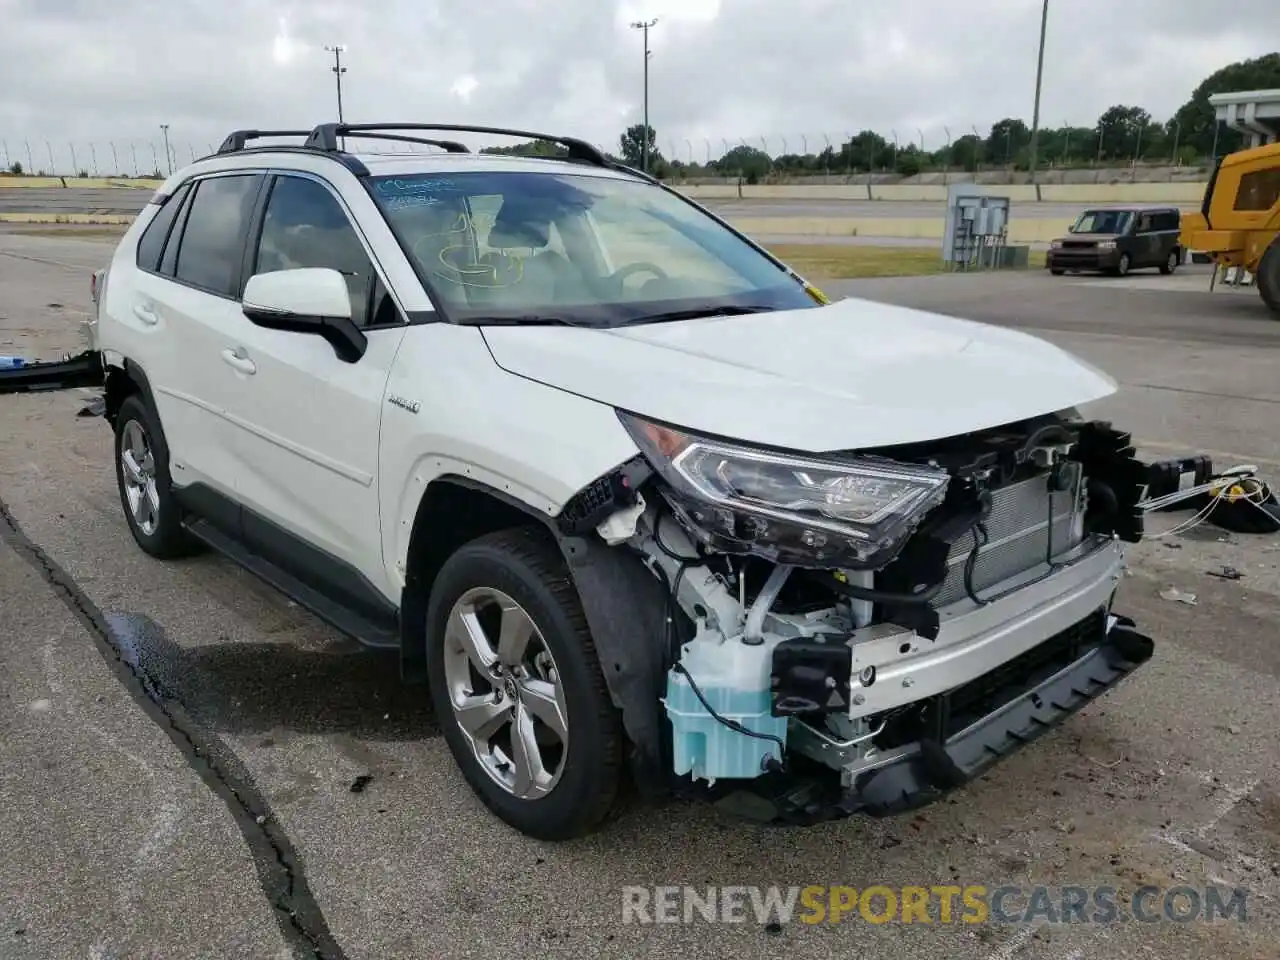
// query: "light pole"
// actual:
[[168, 162], [338, 49], [644, 142], [1035, 110]]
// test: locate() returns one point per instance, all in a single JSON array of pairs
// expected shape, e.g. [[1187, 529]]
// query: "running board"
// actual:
[[338, 615], [82, 370]]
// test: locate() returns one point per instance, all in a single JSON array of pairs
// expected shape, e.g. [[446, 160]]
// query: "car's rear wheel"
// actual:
[[1171, 262], [518, 689], [142, 475]]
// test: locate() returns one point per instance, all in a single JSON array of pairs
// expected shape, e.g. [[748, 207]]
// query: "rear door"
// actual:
[[184, 302], [1146, 241], [306, 423]]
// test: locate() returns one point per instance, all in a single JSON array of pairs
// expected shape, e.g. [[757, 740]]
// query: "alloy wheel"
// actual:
[[505, 691], [139, 472]]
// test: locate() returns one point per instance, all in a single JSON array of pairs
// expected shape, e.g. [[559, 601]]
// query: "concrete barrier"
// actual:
[[91, 183], [909, 228], [1179, 194], [817, 228], [79, 219], [1185, 195]]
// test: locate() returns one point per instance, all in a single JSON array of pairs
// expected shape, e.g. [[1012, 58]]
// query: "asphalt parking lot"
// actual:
[[178, 743]]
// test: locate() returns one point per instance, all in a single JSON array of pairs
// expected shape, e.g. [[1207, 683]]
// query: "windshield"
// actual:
[[1103, 221], [552, 247]]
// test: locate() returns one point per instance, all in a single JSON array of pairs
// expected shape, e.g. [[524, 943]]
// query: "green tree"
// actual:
[[1007, 137], [1195, 118], [743, 161], [965, 152], [632, 145], [1121, 130], [530, 148]]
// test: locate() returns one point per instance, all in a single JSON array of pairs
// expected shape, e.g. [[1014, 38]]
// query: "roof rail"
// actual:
[[326, 135], [238, 138], [451, 146]]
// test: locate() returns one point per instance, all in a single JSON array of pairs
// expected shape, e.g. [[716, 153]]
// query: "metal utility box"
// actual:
[[977, 227]]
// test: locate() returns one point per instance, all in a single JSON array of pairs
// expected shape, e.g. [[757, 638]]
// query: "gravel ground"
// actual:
[[179, 742]]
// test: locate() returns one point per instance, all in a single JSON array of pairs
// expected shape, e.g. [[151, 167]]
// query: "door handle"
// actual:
[[145, 314], [237, 360]]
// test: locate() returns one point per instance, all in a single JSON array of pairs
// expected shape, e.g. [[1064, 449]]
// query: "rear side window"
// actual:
[[213, 239], [1259, 190], [305, 226], [151, 246], [1167, 221]]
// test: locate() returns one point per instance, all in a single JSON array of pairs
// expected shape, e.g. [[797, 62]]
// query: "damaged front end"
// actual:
[[803, 637]]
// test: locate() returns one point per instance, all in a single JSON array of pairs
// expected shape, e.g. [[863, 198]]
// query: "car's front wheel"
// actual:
[[518, 689]]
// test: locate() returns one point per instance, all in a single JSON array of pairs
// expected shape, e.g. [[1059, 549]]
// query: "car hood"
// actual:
[[1093, 237], [848, 375]]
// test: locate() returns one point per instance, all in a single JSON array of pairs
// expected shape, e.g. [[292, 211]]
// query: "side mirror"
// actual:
[[311, 300]]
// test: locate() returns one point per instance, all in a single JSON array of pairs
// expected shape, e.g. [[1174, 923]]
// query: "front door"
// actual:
[[306, 443]]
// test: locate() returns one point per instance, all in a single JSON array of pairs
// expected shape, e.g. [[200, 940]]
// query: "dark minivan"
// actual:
[[1117, 240]]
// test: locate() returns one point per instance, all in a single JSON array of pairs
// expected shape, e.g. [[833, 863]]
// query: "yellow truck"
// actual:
[[1239, 220]]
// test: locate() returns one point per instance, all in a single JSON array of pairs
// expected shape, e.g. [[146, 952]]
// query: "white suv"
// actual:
[[630, 496]]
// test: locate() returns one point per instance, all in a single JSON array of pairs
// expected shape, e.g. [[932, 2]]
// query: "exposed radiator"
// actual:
[[1018, 536]]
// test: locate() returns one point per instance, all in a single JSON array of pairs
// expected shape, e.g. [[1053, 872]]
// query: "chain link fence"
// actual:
[[1065, 154]]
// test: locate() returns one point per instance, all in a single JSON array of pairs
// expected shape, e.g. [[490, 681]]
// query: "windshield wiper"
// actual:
[[697, 313]]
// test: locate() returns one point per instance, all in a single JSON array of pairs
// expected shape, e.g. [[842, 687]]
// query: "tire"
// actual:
[[1057, 271], [146, 494], [1171, 262], [1268, 277], [573, 787], [1123, 264]]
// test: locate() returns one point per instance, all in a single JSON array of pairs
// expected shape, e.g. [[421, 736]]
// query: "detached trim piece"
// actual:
[[82, 370]]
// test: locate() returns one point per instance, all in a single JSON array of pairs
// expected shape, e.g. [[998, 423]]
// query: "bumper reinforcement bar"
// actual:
[[82, 370], [924, 775]]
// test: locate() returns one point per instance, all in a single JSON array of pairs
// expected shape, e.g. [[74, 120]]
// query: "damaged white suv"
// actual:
[[632, 498]]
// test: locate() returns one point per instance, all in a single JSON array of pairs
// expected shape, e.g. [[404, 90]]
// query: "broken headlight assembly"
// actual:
[[855, 513]]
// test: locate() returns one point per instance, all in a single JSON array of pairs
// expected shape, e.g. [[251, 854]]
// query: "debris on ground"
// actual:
[[360, 782], [1178, 596], [94, 408], [1226, 573]]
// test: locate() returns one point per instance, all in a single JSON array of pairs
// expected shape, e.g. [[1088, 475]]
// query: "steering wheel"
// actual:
[[643, 266]]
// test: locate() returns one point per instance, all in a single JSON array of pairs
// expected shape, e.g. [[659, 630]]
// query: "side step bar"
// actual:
[[82, 370]]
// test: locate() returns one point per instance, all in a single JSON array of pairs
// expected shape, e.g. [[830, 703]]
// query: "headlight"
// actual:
[[1055, 244], [794, 509]]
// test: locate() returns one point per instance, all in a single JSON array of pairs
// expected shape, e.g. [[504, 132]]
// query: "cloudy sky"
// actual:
[[112, 71]]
